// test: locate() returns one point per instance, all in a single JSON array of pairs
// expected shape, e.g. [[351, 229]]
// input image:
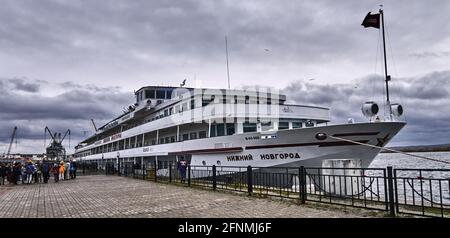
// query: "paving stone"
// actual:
[[113, 196]]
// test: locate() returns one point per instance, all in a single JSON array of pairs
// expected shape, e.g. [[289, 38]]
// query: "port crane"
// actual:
[[56, 150], [13, 136]]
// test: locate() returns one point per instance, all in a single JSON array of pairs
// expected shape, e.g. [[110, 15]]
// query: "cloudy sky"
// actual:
[[63, 62]]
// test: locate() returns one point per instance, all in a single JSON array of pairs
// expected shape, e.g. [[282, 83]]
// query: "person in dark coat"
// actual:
[[182, 166], [2, 173], [74, 166], [55, 172], [17, 172], [46, 171]]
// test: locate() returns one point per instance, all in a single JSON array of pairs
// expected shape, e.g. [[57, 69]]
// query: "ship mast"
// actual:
[[387, 77]]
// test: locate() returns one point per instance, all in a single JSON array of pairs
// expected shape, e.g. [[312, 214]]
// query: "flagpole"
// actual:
[[387, 77]]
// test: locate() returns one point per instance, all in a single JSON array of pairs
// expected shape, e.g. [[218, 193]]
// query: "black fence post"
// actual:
[[391, 191], [170, 171], [189, 175], [214, 177], [302, 184], [250, 180], [118, 167], [143, 171], [156, 170]]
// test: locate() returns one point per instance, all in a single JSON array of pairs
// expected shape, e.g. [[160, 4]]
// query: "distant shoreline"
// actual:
[[421, 148]]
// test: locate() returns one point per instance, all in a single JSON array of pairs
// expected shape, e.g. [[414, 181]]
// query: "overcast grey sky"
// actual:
[[63, 62]]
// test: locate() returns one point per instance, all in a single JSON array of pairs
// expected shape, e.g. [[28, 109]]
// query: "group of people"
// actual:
[[30, 172]]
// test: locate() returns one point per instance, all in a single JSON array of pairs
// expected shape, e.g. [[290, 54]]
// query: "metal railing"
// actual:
[[418, 192]]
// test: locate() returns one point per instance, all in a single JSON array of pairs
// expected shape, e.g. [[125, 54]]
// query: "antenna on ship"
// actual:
[[228, 67]]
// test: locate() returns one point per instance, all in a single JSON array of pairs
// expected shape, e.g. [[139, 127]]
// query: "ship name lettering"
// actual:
[[239, 157], [280, 156]]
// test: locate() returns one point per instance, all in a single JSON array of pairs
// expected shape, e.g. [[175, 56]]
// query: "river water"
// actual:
[[404, 161], [415, 186]]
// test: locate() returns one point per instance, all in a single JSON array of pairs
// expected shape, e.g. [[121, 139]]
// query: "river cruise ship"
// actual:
[[226, 127]]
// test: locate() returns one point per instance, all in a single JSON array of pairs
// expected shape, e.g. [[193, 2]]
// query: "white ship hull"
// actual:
[[286, 148]]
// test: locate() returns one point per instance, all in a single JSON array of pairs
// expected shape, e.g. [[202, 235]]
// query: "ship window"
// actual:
[[193, 135], [169, 94], [247, 99], [177, 108], [153, 142], [167, 140], [161, 141], [173, 139], [192, 104], [202, 134], [220, 129], [283, 125], [269, 101], [265, 126], [235, 99], [207, 100], [184, 107], [230, 129], [149, 93], [309, 123], [213, 131], [166, 112], [249, 127], [160, 94], [296, 125], [185, 136], [171, 111]]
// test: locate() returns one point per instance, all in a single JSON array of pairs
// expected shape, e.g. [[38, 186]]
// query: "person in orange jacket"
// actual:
[[61, 170]]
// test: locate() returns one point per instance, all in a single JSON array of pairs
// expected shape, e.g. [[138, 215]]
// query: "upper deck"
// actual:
[[163, 107]]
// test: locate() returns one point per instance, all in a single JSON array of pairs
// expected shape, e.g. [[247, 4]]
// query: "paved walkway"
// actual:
[[113, 196]]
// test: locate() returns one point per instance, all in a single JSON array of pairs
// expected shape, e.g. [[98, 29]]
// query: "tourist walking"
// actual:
[[74, 166], [55, 172], [45, 168], [17, 171], [67, 170], [61, 170], [2, 173], [182, 166], [29, 170]]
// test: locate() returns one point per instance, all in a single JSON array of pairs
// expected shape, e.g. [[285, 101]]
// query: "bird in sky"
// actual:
[[183, 83]]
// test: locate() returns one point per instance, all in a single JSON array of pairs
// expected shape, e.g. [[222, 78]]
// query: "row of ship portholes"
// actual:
[[218, 163]]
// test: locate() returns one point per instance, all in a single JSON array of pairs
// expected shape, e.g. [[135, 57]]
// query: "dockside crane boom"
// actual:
[[11, 142], [93, 123]]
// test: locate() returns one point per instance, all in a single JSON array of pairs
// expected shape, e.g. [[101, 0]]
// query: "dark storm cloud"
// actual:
[[71, 109], [426, 100], [21, 84], [81, 31]]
